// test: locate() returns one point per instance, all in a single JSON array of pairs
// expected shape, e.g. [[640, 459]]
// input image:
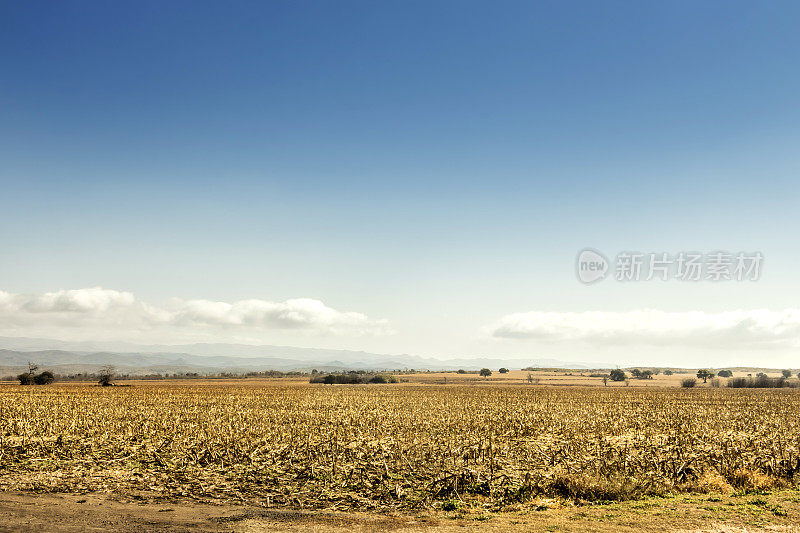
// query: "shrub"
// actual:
[[351, 378], [668, 372], [45, 378], [603, 488], [342, 379], [710, 482], [760, 382], [451, 505], [747, 480], [688, 383], [504, 370], [725, 373]]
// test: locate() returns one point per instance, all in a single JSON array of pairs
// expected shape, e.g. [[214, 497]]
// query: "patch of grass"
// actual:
[[451, 505], [777, 510]]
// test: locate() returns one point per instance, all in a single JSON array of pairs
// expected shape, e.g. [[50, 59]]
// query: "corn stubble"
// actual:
[[384, 447]]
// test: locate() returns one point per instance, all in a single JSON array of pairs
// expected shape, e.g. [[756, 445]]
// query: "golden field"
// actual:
[[404, 446]]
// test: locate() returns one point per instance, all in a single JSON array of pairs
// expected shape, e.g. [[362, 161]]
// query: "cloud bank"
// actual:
[[759, 328], [98, 307]]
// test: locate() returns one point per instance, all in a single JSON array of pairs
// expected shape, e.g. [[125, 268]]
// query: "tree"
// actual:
[[485, 372], [32, 378], [646, 374], [636, 373], [704, 374], [605, 381], [106, 376], [787, 373], [504, 370], [530, 377], [45, 378], [725, 373], [617, 375], [668, 372]]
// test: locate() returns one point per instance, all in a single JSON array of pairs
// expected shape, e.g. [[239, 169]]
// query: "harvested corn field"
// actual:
[[395, 446]]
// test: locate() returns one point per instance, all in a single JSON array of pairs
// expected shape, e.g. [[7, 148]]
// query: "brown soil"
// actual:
[[779, 511]]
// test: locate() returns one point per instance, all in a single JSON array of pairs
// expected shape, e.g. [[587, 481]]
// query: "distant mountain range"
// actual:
[[71, 357]]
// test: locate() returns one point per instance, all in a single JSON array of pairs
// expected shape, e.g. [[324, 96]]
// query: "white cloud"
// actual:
[[122, 310], [301, 313], [759, 328], [90, 300]]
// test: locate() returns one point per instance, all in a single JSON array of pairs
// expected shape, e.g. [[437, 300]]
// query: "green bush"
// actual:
[[29, 378], [352, 378], [617, 375], [45, 378]]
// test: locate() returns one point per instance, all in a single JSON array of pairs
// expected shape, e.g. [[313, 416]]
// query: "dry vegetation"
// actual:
[[396, 446]]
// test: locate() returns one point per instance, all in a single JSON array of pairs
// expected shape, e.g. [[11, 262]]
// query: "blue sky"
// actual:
[[433, 166]]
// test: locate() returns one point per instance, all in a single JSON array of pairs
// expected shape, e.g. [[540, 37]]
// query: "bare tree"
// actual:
[[106, 376], [29, 377]]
